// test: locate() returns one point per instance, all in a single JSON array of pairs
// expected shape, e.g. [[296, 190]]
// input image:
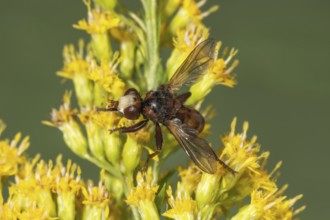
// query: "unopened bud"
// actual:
[[74, 137], [131, 154]]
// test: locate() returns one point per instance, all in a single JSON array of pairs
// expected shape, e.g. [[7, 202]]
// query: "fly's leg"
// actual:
[[159, 145], [226, 166], [112, 103], [183, 97], [107, 109], [132, 128]]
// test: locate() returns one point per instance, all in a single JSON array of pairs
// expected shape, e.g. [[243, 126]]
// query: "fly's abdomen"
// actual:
[[192, 118]]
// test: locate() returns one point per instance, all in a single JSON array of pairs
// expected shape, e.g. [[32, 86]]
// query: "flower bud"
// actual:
[[245, 213], [96, 202], [102, 46], [107, 4], [131, 154], [143, 195], [113, 145], [207, 189], [99, 94], [84, 90], [74, 138], [95, 143], [66, 205], [127, 51]]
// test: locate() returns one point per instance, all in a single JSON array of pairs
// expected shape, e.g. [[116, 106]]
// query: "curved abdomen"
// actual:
[[192, 118]]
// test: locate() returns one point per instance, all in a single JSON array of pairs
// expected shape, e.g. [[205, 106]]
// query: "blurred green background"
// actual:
[[283, 75]]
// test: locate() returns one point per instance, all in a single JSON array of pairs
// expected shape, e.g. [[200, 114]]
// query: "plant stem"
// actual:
[[152, 47]]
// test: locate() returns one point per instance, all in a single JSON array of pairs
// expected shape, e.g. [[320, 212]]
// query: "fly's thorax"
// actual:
[[158, 106]]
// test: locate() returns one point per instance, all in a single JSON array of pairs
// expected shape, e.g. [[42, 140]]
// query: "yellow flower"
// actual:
[[183, 207], [76, 68], [35, 184], [99, 21], [269, 205], [184, 42], [243, 156], [94, 134], [98, 24], [189, 13], [34, 187], [219, 73], [112, 143], [106, 76], [143, 195], [65, 120], [74, 62], [11, 154], [66, 185], [190, 178], [10, 211], [96, 201], [239, 153]]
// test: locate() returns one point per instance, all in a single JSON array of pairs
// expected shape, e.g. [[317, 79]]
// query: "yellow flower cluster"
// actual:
[[50, 191], [100, 75]]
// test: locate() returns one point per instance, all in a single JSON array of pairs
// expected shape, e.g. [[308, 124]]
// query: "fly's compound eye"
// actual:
[[132, 112]]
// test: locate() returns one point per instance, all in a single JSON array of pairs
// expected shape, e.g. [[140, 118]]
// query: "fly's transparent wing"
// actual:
[[197, 148], [198, 61]]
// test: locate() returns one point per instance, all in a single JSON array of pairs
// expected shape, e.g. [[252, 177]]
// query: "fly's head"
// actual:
[[130, 104]]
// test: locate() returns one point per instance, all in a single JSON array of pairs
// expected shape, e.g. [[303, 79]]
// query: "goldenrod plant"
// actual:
[[124, 52]]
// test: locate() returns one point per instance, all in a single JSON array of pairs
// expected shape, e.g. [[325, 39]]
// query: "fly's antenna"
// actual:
[[111, 107]]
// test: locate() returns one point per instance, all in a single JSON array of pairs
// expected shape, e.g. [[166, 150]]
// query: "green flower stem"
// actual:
[[152, 35], [103, 165], [155, 172], [135, 212]]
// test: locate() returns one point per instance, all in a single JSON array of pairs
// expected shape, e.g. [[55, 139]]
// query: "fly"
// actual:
[[166, 106]]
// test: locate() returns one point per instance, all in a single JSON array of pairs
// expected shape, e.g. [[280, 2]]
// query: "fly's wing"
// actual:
[[197, 148], [198, 61]]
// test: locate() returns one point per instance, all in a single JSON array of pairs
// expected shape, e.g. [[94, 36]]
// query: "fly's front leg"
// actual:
[[132, 128], [106, 109], [159, 145], [113, 108]]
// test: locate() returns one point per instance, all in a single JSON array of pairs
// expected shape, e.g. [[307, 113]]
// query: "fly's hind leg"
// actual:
[[159, 145], [183, 97]]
